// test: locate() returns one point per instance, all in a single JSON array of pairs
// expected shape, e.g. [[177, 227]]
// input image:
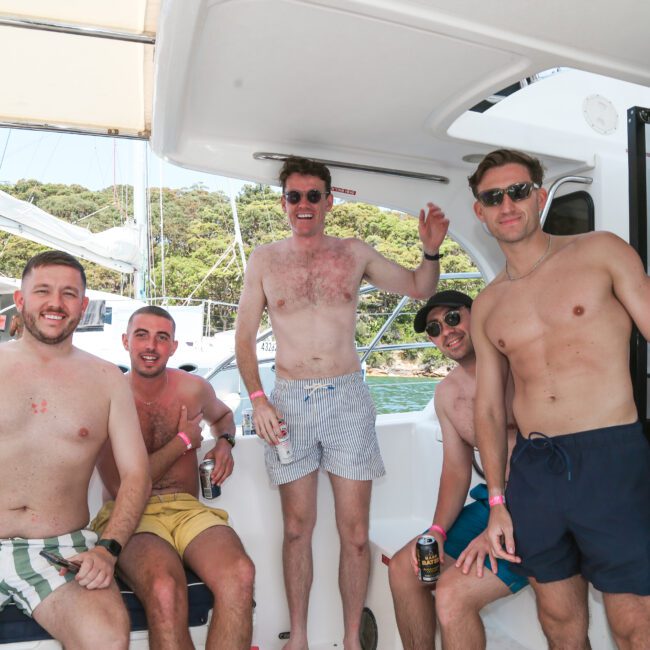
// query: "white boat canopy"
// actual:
[[115, 248], [374, 83], [79, 66]]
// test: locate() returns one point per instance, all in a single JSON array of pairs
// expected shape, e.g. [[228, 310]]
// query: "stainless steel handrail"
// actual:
[[75, 30], [388, 171], [387, 323], [585, 180]]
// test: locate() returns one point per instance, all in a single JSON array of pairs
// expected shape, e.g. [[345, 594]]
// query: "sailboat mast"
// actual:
[[235, 217], [140, 278]]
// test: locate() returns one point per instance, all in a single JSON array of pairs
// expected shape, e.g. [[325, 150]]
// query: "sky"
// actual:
[[91, 161]]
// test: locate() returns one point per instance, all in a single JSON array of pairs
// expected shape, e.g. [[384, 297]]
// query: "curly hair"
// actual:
[[305, 167]]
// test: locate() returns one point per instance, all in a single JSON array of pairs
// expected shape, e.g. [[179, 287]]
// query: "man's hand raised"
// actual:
[[191, 427], [432, 228]]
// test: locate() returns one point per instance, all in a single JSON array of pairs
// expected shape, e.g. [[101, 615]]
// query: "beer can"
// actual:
[[428, 557], [208, 490], [247, 424], [284, 447]]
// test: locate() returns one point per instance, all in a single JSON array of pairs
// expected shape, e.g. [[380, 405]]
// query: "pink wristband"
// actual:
[[497, 500], [440, 530], [257, 393], [185, 439]]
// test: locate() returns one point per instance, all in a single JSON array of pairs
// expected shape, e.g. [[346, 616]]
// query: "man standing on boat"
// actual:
[[309, 284], [461, 593], [60, 405], [176, 529], [559, 318]]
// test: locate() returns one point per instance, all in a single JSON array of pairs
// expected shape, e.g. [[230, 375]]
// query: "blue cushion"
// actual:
[[16, 626]]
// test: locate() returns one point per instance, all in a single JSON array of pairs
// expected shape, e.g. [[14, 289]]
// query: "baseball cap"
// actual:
[[449, 298]]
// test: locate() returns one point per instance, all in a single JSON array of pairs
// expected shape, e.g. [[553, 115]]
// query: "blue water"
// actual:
[[399, 394]]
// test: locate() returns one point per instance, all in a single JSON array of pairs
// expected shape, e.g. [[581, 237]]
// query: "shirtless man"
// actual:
[[309, 284], [559, 316], [176, 529], [460, 532], [60, 405]]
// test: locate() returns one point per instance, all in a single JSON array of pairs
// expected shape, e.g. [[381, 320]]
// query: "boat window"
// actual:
[[570, 214]]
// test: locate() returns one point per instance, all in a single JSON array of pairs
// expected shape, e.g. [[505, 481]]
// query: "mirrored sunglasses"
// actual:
[[434, 327], [313, 196], [516, 192]]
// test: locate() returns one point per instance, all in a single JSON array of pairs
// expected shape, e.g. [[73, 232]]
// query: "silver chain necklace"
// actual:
[[534, 266]]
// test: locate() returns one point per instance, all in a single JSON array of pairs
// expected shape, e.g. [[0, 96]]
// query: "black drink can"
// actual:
[[208, 490], [428, 558]]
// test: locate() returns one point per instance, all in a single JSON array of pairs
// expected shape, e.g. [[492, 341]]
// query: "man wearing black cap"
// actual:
[[460, 595]]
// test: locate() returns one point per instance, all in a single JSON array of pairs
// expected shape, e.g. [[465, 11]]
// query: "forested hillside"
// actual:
[[198, 229]]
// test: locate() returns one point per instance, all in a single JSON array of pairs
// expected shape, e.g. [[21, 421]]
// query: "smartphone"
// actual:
[[59, 561]]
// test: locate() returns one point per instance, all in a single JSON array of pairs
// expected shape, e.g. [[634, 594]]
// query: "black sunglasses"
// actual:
[[313, 196], [516, 192], [434, 327]]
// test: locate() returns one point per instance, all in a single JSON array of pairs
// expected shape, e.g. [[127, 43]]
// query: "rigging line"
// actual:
[[266, 206], [4, 151], [6, 243], [209, 273], [150, 243], [56, 144], [235, 217], [38, 144], [115, 197], [233, 258], [162, 227], [106, 207]]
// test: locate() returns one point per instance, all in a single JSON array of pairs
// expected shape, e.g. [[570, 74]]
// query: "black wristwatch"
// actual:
[[111, 545], [432, 258], [230, 439]]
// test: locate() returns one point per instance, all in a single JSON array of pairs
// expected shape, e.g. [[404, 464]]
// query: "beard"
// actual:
[[32, 327], [148, 373]]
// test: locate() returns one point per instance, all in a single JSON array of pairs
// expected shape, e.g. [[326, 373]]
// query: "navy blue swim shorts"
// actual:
[[471, 522], [580, 504]]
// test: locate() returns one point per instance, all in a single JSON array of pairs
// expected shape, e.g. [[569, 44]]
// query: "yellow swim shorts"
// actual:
[[177, 518]]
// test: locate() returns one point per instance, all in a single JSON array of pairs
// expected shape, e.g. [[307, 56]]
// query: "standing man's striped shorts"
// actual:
[[331, 425]]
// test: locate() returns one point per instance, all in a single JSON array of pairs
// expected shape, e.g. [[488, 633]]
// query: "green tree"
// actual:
[[198, 230]]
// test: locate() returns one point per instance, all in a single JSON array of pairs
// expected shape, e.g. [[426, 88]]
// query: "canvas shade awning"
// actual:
[[78, 66]]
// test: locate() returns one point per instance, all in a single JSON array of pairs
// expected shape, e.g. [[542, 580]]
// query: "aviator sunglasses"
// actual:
[[516, 192], [451, 318], [313, 196]]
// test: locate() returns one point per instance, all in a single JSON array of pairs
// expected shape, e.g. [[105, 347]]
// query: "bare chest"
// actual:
[[554, 310], [159, 423], [462, 417], [326, 278], [55, 407]]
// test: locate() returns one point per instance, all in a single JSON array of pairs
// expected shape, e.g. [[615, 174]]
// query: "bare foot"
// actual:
[[352, 644], [297, 644]]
